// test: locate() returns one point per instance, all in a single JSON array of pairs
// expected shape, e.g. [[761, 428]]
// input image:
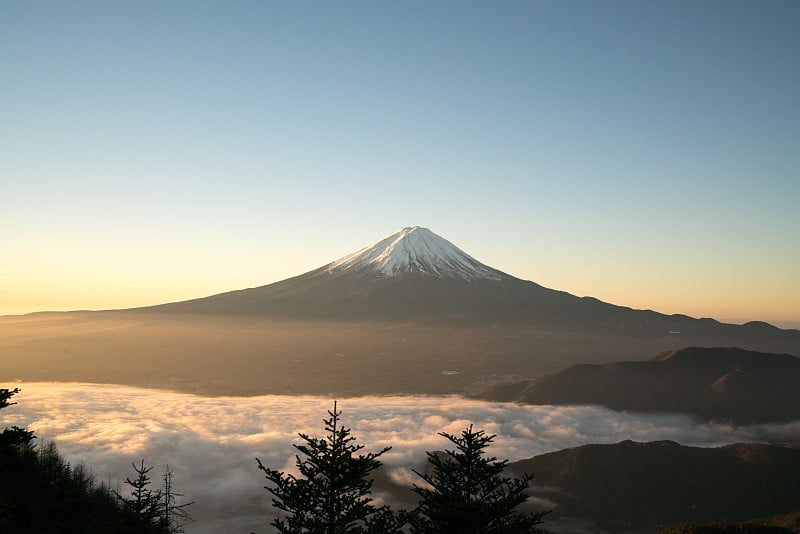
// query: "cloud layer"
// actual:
[[211, 442]]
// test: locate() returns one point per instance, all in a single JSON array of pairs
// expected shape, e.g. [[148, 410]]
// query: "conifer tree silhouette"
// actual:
[[14, 436], [143, 503], [467, 494], [332, 493]]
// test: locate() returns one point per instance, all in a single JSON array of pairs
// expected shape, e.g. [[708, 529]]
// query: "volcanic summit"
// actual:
[[410, 313], [415, 250], [415, 274], [410, 273]]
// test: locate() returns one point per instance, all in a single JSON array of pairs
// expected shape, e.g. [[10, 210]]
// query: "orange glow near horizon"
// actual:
[[708, 298]]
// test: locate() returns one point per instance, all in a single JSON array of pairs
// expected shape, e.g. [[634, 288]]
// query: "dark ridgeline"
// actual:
[[762, 526], [717, 384], [643, 487]]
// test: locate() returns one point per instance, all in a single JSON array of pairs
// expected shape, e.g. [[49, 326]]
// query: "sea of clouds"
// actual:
[[212, 442]]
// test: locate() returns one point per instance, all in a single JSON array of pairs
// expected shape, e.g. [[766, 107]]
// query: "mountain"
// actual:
[[411, 313], [642, 487], [409, 274], [721, 384], [415, 274], [782, 524]]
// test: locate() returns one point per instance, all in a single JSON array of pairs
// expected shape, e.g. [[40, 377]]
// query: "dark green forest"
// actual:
[[41, 492]]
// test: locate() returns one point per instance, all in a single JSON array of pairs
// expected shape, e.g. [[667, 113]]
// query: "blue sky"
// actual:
[[646, 153]]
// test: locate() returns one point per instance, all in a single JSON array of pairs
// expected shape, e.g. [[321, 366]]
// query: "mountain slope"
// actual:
[[640, 487], [415, 274], [410, 273], [411, 313], [723, 384]]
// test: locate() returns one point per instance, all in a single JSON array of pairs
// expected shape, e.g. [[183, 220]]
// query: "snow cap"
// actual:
[[414, 249]]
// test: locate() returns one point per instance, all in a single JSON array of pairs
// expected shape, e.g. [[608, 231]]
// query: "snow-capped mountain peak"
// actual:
[[416, 250]]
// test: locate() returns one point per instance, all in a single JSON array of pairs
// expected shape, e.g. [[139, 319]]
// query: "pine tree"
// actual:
[[468, 494], [6, 394], [143, 503], [331, 495], [11, 438]]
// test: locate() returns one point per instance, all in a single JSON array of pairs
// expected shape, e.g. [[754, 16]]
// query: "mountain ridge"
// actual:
[[642, 487], [728, 385], [353, 330], [413, 273]]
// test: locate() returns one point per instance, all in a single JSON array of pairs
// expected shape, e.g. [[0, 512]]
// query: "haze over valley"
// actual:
[[569, 225], [411, 313]]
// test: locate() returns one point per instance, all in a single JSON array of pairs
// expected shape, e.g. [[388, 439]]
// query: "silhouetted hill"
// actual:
[[741, 528], [747, 527], [641, 487], [722, 384]]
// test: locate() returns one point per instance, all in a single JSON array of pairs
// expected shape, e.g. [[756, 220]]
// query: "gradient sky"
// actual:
[[645, 153]]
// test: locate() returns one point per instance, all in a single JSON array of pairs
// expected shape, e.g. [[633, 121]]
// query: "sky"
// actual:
[[211, 442], [644, 153]]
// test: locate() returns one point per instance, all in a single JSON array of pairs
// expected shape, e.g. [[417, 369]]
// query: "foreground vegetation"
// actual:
[[464, 492], [460, 490], [41, 492]]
